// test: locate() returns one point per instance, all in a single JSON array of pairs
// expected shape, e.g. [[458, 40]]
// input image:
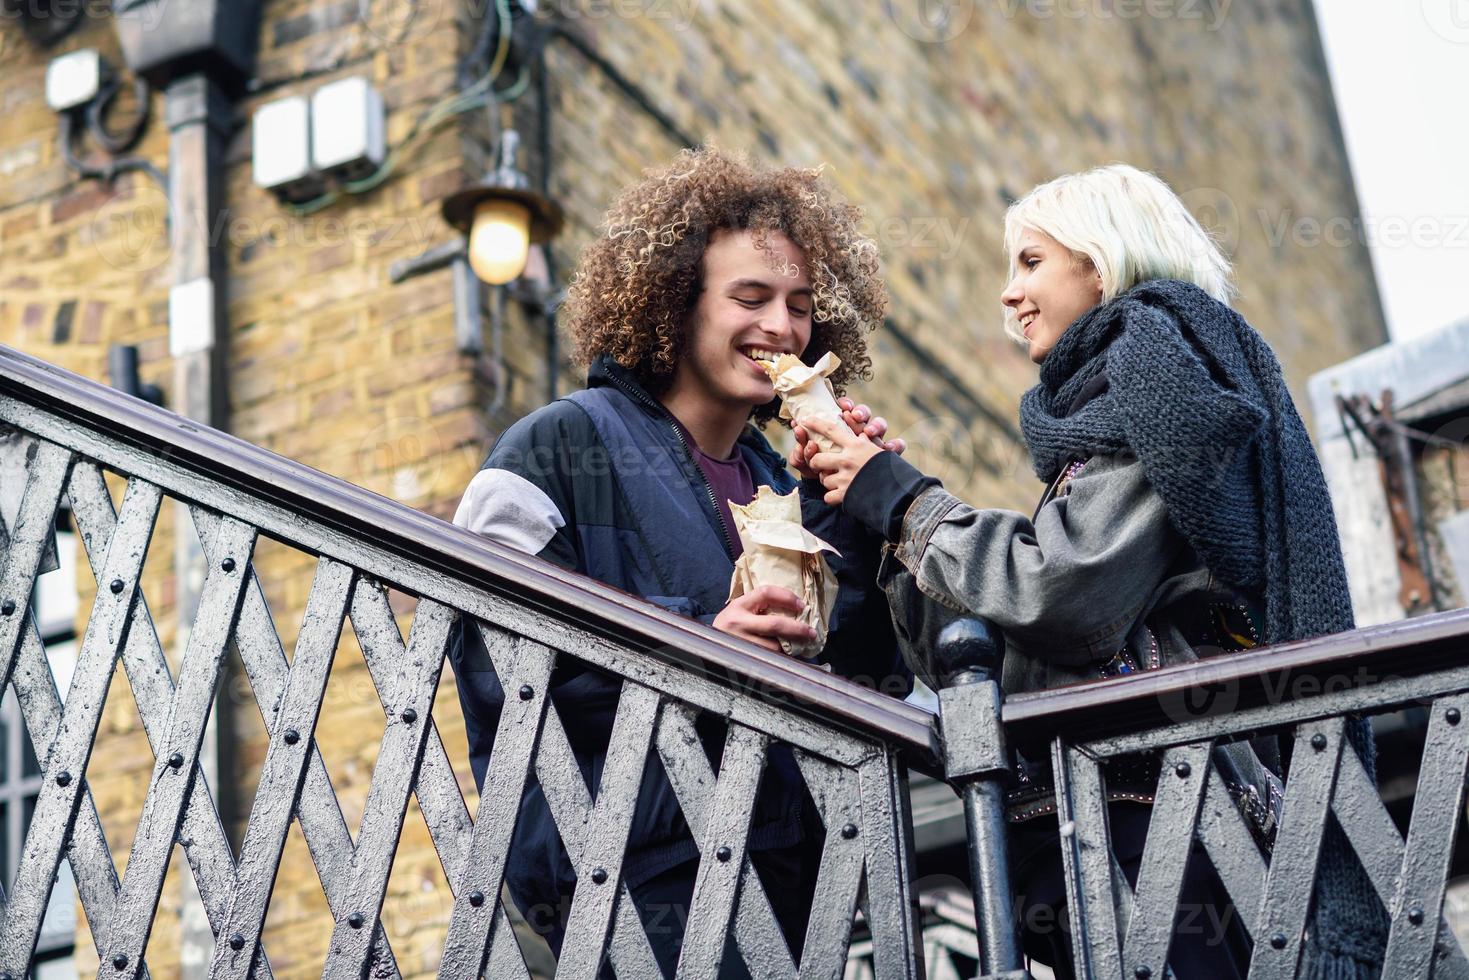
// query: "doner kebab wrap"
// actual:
[[805, 391], [780, 551]]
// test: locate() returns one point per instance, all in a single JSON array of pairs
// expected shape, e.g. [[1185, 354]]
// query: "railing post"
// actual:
[[977, 763]]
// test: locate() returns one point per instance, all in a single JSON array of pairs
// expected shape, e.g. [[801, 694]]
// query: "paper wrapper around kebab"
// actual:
[[779, 551], [805, 391]]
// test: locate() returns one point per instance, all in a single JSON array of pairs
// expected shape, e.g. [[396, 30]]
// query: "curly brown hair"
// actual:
[[637, 285]]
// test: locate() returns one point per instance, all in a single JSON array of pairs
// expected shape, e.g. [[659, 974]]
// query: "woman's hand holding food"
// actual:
[[859, 419], [836, 470]]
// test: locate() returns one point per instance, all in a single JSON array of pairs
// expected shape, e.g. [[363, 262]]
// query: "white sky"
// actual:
[[1400, 70]]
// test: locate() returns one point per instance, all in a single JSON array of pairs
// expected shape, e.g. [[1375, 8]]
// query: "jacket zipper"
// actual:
[[678, 433], [1046, 497]]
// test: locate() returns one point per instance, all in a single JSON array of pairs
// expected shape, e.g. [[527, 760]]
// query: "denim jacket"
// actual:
[[1097, 584], [1095, 573]]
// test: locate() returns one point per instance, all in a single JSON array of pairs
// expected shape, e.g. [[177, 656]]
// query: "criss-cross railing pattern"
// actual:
[[1305, 693], [950, 948], [852, 747]]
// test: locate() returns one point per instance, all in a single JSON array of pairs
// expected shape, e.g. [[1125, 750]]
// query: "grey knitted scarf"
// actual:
[[1198, 396]]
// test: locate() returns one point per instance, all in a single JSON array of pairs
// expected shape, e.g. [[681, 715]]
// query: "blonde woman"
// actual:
[[1185, 516]]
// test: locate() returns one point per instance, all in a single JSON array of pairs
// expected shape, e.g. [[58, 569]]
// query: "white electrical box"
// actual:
[[347, 129], [74, 79], [281, 149]]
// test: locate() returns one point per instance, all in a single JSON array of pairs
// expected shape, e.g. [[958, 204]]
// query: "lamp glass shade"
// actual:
[[499, 240]]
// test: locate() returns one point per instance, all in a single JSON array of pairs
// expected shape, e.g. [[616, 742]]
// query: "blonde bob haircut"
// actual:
[[1128, 224]]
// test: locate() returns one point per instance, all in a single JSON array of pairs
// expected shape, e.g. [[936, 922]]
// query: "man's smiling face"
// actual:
[[756, 303]]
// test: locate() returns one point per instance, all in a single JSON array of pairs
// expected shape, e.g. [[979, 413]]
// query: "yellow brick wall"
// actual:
[[932, 126], [935, 126], [329, 364]]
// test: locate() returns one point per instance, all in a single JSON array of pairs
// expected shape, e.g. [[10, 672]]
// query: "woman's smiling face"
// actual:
[[1049, 290]]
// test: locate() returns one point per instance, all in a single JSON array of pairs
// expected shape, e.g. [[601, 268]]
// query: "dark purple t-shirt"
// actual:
[[730, 480]]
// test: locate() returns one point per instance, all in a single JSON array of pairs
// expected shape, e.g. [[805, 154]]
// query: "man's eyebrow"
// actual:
[[762, 284]]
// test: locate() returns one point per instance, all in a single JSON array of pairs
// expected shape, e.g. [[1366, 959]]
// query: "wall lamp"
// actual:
[[501, 216]]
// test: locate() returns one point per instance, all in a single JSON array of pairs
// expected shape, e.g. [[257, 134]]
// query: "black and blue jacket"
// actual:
[[602, 483]]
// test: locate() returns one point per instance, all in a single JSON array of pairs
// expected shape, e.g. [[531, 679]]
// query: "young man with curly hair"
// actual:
[[703, 265]]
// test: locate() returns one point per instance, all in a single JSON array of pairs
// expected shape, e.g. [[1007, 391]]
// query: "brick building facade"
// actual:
[[934, 124]]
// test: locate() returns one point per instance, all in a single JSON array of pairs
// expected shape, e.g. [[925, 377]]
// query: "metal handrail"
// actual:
[[1337, 665], [427, 541], [850, 745], [1264, 834]]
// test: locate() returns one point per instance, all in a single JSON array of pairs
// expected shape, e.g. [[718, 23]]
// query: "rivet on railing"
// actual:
[[1278, 940], [176, 760], [409, 716], [63, 778], [292, 736], [1415, 915], [1182, 770], [527, 692], [1318, 742], [228, 564], [723, 853], [6, 608], [849, 831], [476, 898], [599, 876], [1143, 972], [355, 920], [237, 941], [1451, 716], [119, 962], [116, 588]]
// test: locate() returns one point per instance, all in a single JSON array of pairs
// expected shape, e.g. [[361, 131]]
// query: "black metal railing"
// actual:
[[854, 747], [1304, 693]]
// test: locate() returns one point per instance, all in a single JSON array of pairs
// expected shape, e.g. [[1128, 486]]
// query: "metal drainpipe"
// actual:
[[197, 53], [198, 115]]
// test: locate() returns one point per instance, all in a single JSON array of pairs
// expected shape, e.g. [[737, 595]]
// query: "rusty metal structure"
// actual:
[[854, 747]]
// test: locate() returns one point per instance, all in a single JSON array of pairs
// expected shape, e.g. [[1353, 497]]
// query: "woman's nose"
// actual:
[[1012, 294]]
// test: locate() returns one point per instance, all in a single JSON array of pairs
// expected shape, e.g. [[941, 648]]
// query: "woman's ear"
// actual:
[[1084, 262]]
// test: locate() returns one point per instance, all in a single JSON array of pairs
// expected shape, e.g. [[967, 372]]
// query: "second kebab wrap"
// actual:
[[780, 551]]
